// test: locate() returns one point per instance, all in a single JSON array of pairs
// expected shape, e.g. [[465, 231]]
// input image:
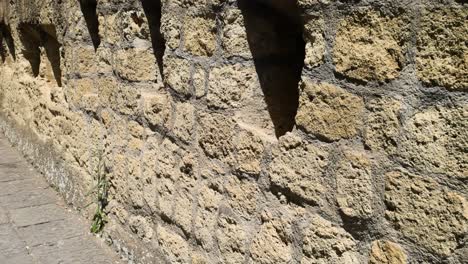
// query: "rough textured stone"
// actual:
[[315, 42], [325, 243], [157, 108], [232, 239], [137, 64], [249, 150], [177, 73], [298, 167], [243, 196], [425, 212], [382, 125], [441, 48], [386, 252], [173, 245], [433, 141], [370, 46], [246, 131], [329, 112], [274, 243], [354, 192], [200, 36], [216, 137], [184, 123], [230, 85], [206, 218], [234, 41]]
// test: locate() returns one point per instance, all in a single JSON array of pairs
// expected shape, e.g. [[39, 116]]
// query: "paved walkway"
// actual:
[[35, 225]]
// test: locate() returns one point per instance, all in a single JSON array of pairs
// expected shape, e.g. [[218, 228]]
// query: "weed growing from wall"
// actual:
[[100, 190]]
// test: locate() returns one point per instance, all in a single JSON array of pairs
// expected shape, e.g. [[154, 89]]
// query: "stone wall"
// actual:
[[264, 131]]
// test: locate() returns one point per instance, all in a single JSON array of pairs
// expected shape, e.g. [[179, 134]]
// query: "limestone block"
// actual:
[[142, 227], [207, 215], [354, 193], [177, 74], [84, 59], [370, 46], [441, 57], [425, 212], [184, 123], [324, 242], [137, 64], [433, 141], [171, 24], [200, 36], [216, 136], [113, 31], [234, 38], [199, 81], [315, 42], [329, 112], [232, 239], [183, 210], [174, 247], [106, 87], [81, 87], [274, 241], [231, 85], [298, 167], [157, 108], [382, 125], [124, 99], [249, 153], [243, 196], [386, 252]]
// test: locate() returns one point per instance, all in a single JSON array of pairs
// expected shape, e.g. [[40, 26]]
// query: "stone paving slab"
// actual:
[[35, 225]]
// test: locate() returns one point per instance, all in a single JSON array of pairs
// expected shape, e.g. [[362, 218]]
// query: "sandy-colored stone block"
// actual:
[[200, 36], [274, 241], [84, 59], [386, 252], [354, 192], [232, 239], [234, 38], [298, 167], [329, 112], [382, 124], [442, 53], [157, 108], [216, 138], [315, 42], [184, 123], [231, 85], [426, 212], [434, 140], [370, 46], [175, 248], [177, 74], [249, 150], [137, 64], [323, 242]]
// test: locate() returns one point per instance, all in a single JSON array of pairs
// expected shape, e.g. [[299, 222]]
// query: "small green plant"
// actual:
[[100, 190]]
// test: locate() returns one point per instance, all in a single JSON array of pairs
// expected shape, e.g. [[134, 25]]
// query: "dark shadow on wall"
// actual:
[[33, 37], [5, 35], [31, 40], [152, 9], [52, 49], [274, 33], [89, 10]]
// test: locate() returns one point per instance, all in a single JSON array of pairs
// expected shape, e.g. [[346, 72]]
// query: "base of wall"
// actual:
[[48, 162]]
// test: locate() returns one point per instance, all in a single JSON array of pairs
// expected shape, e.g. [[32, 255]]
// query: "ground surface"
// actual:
[[35, 225]]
